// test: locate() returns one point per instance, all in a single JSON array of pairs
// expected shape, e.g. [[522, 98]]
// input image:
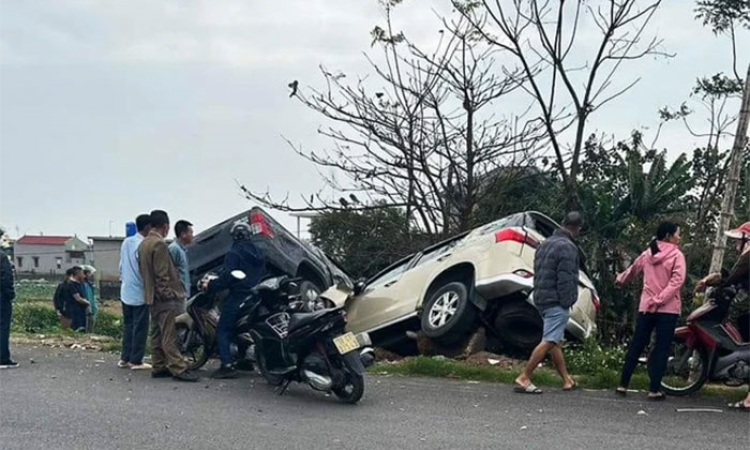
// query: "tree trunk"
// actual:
[[735, 165]]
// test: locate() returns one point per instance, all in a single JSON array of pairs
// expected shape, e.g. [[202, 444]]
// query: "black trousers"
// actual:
[[664, 324], [6, 314], [135, 333]]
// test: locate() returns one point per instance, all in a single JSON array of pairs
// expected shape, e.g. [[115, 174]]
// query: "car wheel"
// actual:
[[448, 314], [310, 295], [519, 325]]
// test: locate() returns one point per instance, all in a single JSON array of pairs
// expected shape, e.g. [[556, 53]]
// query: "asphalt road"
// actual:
[[79, 400]]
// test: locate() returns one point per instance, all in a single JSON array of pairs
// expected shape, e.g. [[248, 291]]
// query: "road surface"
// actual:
[[79, 400]]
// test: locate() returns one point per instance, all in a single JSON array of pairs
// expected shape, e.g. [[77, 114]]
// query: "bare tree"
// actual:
[[567, 85], [724, 17], [710, 166], [739, 149], [418, 133]]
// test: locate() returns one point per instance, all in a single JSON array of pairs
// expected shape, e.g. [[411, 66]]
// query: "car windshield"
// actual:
[[335, 266]]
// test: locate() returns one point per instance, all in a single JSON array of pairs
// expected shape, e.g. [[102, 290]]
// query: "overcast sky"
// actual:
[[109, 109]]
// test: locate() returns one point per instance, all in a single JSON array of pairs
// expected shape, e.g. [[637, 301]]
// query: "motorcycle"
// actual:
[[196, 329], [313, 348], [709, 347]]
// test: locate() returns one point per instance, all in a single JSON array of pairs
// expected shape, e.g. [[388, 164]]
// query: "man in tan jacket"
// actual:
[[162, 289]]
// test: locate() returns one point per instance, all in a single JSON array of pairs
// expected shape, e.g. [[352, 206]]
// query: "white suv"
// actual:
[[481, 276]]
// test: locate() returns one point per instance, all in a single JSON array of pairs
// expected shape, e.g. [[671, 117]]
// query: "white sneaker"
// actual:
[[141, 366], [123, 364]]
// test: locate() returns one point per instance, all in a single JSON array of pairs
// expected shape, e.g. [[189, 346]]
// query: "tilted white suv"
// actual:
[[484, 276]]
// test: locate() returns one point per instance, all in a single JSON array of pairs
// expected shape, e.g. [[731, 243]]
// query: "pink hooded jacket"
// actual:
[[663, 277]]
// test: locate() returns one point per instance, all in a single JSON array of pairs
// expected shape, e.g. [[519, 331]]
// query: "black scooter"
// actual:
[[196, 329], [313, 348]]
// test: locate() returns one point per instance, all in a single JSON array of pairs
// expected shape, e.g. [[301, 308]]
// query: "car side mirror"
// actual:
[[359, 286]]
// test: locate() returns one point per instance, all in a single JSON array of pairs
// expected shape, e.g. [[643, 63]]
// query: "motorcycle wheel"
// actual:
[[687, 369], [193, 347], [352, 391], [273, 380]]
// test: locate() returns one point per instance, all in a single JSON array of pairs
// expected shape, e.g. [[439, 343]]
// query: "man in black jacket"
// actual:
[[244, 256], [7, 294], [556, 268]]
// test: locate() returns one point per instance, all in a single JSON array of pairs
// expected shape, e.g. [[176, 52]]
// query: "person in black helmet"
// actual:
[[244, 256]]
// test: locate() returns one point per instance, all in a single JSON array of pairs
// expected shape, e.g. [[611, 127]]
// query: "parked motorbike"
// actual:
[[313, 348], [709, 347], [196, 329]]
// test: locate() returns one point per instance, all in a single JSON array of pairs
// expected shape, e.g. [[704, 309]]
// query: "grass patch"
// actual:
[[604, 379], [37, 317], [34, 291]]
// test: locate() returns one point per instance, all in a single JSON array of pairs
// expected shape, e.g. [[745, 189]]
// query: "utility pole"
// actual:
[[735, 164]]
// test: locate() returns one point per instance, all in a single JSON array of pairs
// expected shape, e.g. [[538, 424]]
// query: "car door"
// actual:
[[380, 304]]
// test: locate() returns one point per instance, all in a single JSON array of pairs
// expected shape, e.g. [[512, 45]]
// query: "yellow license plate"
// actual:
[[346, 343]]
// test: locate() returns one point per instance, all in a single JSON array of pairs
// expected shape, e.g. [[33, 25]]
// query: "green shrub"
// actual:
[[42, 318], [108, 324], [34, 318], [591, 358]]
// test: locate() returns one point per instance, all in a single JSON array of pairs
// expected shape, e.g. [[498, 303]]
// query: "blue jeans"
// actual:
[[664, 324], [230, 311], [135, 332], [6, 313]]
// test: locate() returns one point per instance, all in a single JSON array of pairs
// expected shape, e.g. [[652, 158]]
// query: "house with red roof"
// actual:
[[48, 254]]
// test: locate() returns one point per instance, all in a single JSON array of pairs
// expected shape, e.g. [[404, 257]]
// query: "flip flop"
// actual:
[[529, 389], [739, 406], [573, 387]]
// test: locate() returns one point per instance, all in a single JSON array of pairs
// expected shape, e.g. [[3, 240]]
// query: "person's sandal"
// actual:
[[657, 398], [739, 406], [528, 389]]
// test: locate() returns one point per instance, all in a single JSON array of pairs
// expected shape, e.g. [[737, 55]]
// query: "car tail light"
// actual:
[[260, 224], [513, 235], [524, 273], [595, 300]]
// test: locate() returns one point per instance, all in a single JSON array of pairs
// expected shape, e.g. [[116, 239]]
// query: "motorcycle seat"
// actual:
[[299, 320]]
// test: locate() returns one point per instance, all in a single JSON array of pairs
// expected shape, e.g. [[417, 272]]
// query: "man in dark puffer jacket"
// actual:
[[555, 291]]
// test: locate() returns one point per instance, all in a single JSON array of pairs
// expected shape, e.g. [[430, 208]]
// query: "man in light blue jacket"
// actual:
[[135, 312]]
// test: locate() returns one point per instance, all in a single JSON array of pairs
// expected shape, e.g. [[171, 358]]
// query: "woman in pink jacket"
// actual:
[[663, 269]]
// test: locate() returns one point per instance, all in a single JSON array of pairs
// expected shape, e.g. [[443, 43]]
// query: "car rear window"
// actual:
[[516, 220]]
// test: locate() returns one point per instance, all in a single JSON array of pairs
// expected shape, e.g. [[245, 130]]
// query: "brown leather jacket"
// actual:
[[161, 281]]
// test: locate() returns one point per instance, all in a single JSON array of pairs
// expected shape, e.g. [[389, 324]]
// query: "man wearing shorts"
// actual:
[[555, 291]]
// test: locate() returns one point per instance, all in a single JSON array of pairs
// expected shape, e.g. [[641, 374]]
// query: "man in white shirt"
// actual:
[[135, 311]]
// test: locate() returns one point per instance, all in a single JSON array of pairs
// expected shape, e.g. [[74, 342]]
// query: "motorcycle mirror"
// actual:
[[238, 275]]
